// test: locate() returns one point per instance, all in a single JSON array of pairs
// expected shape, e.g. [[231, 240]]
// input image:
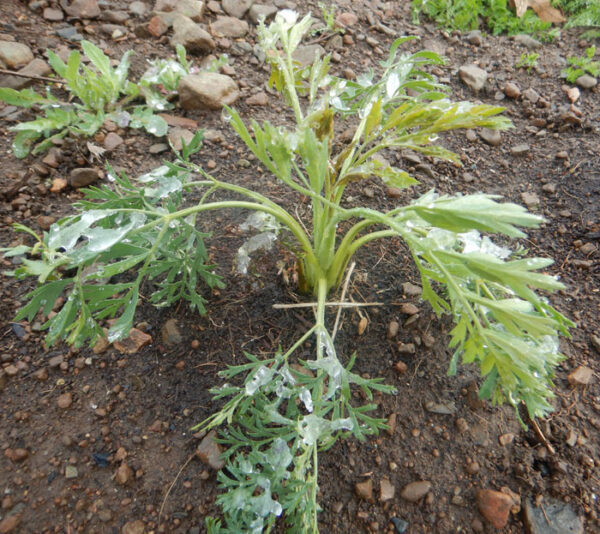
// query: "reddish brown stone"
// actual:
[[494, 506]]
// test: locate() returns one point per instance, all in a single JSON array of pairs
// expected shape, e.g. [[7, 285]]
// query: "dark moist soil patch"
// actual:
[[139, 409]]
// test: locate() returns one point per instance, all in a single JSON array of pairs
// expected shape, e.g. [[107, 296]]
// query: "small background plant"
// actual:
[[528, 61], [499, 17], [96, 92], [578, 66]]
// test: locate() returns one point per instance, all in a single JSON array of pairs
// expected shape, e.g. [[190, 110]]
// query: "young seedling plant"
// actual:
[[279, 413], [528, 61]]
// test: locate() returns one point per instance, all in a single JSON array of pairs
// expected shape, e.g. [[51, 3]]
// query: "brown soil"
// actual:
[[146, 403]]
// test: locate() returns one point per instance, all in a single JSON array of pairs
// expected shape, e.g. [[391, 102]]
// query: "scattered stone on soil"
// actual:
[[531, 95], [581, 376], [364, 490], [415, 491], [190, 35], [586, 81], [177, 134], [16, 455], [393, 328], [306, 54], [400, 525], [134, 342], [258, 11], [386, 490], [527, 41], [531, 200], [134, 527], [84, 176], [138, 8], [473, 76], [520, 150], [408, 308], [401, 367], [229, 27], [181, 122], [170, 333], [207, 90], [511, 90], [53, 15], [391, 423], [71, 472], [551, 517], [209, 451], [83, 9], [236, 8], [411, 290], [495, 506], [259, 99], [10, 523], [506, 439], [406, 348], [124, 474], [15, 55], [58, 184], [112, 141], [157, 26], [64, 401], [491, 137], [442, 408], [36, 67]]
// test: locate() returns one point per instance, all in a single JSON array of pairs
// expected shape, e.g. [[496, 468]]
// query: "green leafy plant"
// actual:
[[328, 14], [97, 92], [583, 13], [451, 14], [469, 14], [578, 66], [278, 413], [528, 61]]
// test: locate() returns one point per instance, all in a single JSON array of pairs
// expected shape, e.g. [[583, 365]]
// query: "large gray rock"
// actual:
[[37, 67], [188, 34], [229, 27], [14, 55], [207, 90], [555, 517], [236, 8], [473, 76]]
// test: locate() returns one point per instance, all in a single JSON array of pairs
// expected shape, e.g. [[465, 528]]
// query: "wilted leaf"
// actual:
[[362, 325], [545, 11], [520, 6], [95, 150], [542, 8]]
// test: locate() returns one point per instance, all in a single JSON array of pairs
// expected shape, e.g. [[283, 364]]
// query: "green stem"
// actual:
[[322, 289], [290, 86]]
